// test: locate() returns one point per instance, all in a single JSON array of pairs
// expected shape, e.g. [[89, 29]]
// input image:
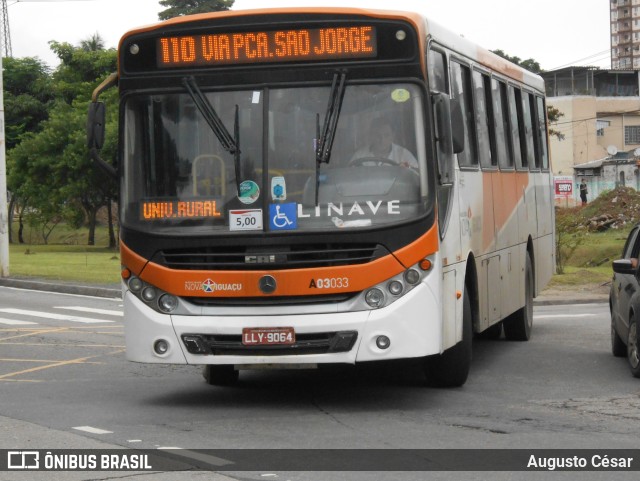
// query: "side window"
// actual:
[[535, 132], [437, 71], [517, 127], [503, 147], [528, 132], [482, 120], [542, 129], [461, 90], [629, 247]]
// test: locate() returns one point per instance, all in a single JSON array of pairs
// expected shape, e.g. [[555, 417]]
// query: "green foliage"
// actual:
[[569, 237], [50, 169], [179, 8], [530, 64], [28, 94]]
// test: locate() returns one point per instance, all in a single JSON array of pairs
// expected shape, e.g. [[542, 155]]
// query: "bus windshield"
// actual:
[[178, 173]]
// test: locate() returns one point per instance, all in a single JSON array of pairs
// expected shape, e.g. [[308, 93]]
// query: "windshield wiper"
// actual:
[[230, 144], [328, 134]]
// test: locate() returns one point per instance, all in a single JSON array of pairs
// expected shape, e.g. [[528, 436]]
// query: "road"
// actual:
[[64, 383]]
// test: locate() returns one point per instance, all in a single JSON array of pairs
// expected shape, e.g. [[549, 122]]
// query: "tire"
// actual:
[[618, 349], [223, 375], [451, 368], [518, 326], [492, 333], [633, 350]]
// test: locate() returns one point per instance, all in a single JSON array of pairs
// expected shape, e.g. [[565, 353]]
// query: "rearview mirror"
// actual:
[[95, 125], [625, 266], [444, 139]]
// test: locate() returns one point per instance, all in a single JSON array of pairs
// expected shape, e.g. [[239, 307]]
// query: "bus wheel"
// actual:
[[492, 333], [517, 327], [451, 368], [224, 375]]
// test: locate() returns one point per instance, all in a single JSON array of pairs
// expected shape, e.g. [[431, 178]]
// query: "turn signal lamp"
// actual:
[[425, 264]]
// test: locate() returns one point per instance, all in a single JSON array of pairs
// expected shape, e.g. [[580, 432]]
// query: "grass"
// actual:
[[93, 265], [66, 257]]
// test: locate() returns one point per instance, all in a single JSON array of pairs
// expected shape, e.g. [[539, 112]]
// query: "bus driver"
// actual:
[[383, 147]]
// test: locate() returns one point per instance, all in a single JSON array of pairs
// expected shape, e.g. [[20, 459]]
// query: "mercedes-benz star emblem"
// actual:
[[267, 284]]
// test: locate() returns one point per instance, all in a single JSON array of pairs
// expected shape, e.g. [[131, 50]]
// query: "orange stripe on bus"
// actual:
[[508, 190], [292, 282]]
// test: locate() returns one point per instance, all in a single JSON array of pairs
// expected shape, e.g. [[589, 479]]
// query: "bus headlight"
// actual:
[[374, 297], [412, 277], [154, 297], [167, 303], [395, 288], [148, 293], [135, 284], [389, 291]]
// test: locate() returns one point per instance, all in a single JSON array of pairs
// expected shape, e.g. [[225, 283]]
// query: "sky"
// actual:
[[556, 33]]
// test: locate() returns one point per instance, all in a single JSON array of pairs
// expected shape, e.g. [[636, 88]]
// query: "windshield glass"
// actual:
[[177, 173]]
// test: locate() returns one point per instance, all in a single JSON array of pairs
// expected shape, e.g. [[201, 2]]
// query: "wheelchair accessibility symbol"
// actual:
[[283, 216]]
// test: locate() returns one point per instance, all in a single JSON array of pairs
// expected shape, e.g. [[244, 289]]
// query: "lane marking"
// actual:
[[92, 310], [64, 344], [41, 360], [80, 360], [13, 322], [92, 430], [34, 333], [21, 380], [57, 317]]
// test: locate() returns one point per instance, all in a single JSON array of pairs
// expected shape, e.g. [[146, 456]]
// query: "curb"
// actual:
[[566, 302], [95, 291]]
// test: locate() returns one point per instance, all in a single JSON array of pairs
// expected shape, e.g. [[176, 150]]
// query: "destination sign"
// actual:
[[289, 45]]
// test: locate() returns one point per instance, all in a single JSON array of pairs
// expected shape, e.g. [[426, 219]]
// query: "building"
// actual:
[[601, 118], [625, 34]]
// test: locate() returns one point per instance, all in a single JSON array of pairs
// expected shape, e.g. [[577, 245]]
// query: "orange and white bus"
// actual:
[[325, 185]]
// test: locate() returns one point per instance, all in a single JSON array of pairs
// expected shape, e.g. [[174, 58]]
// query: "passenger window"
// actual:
[[503, 147], [517, 127], [482, 120], [437, 72], [461, 90], [542, 129], [535, 132], [528, 153]]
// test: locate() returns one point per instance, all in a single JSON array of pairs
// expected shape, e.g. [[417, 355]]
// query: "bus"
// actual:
[[311, 186]]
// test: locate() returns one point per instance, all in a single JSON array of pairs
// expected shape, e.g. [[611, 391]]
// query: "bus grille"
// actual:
[[226, 258], [270, 301], [231, 345]]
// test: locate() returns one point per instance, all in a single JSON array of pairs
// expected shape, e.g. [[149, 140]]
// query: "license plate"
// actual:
[[268, 336]]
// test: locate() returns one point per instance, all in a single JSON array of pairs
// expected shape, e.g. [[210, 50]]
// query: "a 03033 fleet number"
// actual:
[[329, 283]]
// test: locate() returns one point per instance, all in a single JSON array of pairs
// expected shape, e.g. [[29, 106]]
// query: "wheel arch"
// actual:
[[471, 284]]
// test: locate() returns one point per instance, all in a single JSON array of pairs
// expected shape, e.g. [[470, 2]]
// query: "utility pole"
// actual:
[[6, 33], [5, 50]]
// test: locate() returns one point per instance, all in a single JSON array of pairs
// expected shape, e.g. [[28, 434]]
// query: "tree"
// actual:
[[178, 8], [530, 64], [93, 43], [28, 95], [51, 168]]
